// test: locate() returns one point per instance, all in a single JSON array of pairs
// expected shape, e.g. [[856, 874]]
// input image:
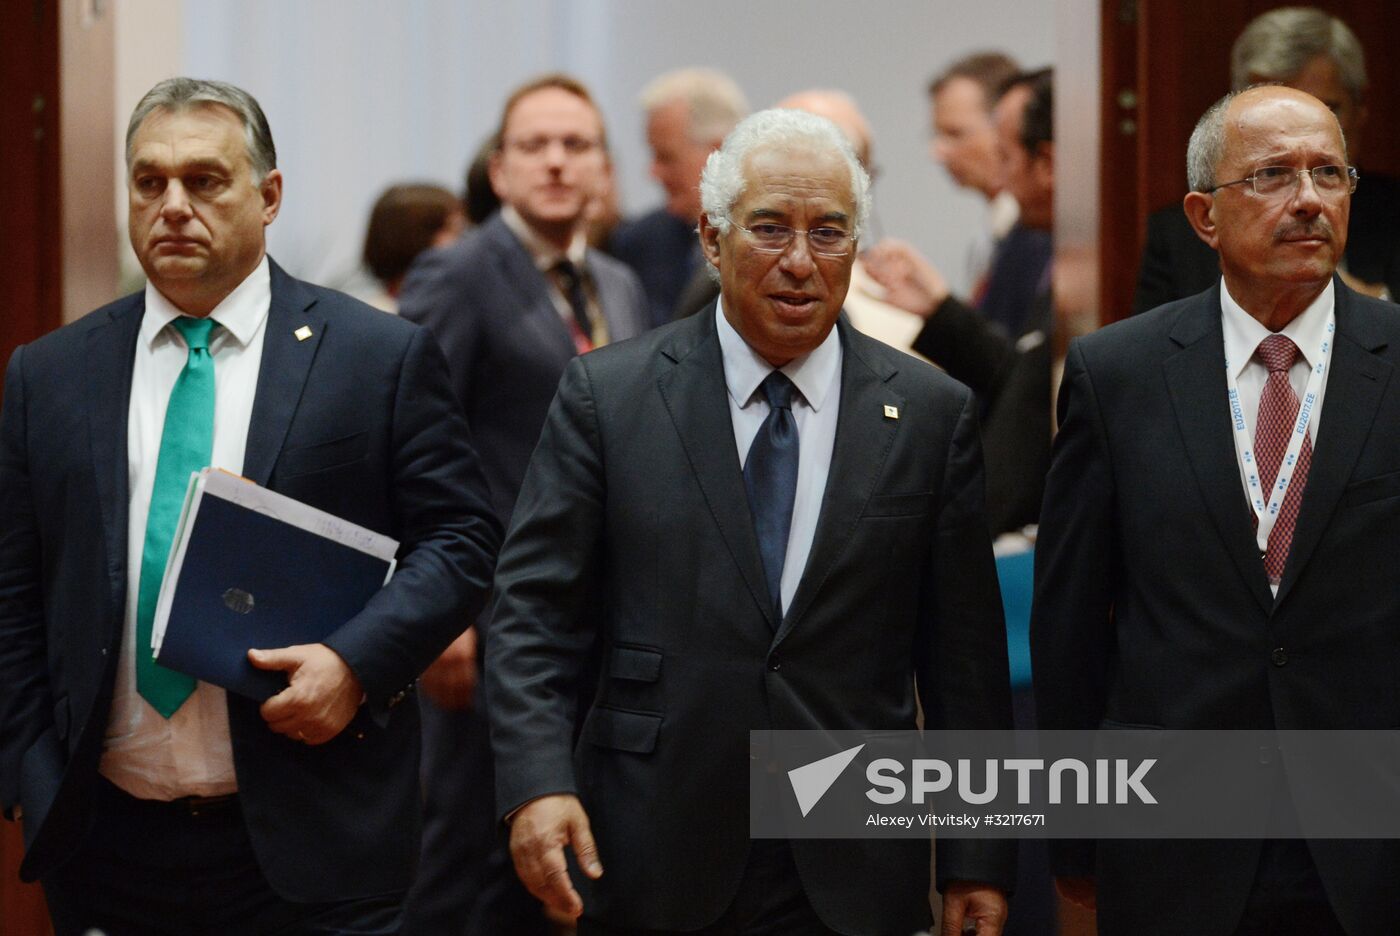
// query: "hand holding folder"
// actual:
[[322, 697], [254, 569]]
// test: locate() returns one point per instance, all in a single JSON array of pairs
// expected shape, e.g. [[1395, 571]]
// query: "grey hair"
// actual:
[[722, 181], [1207, 145], [1277, 45], [179, 94], [715, 103]]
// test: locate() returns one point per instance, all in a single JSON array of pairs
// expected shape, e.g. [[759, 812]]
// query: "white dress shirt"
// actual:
[[1243, 333], [815, 407], [189, 754]]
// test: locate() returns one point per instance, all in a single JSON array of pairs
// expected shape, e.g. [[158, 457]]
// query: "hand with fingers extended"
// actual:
[[972, 907], [539, 833], [321, 697]]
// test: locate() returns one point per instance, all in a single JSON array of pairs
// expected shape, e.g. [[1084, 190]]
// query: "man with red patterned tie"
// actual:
[[511, 304], [1225, 479]]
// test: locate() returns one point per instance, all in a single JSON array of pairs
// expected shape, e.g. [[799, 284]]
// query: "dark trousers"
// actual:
[[466, 883], [770, 902], [1287, 898], [1033, 905], [173, 869]]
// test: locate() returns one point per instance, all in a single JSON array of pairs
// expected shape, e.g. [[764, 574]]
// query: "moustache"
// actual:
[[1317, 228]]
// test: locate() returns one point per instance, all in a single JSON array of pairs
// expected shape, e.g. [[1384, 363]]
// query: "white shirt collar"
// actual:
[[545, 254], [814, 373], [241, 313], [1002, 213], [1243, 332]]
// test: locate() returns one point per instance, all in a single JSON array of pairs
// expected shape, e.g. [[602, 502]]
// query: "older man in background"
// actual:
[[689, 112], [869, 314], [1313, 51]]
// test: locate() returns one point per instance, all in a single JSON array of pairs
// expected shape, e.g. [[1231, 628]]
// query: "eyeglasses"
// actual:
[[776, 238], [536, 146], [1280, 180]]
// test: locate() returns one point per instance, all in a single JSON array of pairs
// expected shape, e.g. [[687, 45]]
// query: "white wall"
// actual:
[[149, 40], [361, 94]]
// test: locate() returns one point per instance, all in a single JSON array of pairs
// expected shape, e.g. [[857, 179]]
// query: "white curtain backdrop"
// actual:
[[363, 94]]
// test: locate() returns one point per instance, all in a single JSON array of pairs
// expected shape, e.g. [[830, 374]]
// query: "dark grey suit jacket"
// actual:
[[358, 420], [490, 310], [1153, 609], [664, 251], [632, 539]]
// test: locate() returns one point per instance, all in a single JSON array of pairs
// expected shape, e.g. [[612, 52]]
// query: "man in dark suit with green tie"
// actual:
[[152, 803]]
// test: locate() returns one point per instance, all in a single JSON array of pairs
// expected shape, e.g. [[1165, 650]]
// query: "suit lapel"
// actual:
[[286, 362], [863, 440], [611, 301], [698, 401], [1354, 389], [1195, 377], [536, 309], [111, 353]]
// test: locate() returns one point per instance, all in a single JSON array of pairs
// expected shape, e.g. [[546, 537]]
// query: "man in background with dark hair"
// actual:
[[1315, 52], [1007, 259], [1010, 373], [153, 803], [511, 304]]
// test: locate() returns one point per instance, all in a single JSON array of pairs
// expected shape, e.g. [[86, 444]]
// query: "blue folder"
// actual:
[[253, 581]]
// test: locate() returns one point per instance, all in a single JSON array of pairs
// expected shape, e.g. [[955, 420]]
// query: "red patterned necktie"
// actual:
[[1278, 409]]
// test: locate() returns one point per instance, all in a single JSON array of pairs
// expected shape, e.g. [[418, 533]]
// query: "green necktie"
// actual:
[[186, 444]]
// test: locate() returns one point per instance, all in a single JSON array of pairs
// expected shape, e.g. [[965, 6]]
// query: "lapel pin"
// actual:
[[891, 412], [304, 332]]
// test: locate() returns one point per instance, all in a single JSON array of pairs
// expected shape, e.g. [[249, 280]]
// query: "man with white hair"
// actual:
[[755, 518], [689, 112]]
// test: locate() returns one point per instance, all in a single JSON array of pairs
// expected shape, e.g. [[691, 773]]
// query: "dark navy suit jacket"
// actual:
[[359, 420], [665, 252], [491, 310]]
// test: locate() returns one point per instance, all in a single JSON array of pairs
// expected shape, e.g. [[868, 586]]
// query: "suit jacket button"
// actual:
[[1279, 657], [774, 664]]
